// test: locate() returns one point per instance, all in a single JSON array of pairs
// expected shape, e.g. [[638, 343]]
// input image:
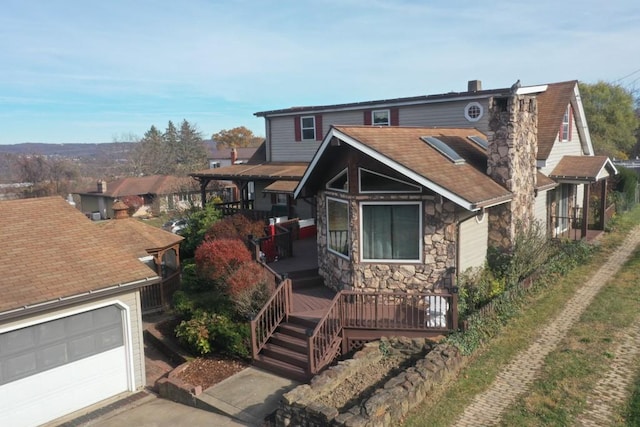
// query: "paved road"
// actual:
[[516, 378]]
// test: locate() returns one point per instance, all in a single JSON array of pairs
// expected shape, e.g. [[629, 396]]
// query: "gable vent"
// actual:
[[444, 149]]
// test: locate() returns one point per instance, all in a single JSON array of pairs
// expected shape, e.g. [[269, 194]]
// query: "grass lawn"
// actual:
[[441, 408]]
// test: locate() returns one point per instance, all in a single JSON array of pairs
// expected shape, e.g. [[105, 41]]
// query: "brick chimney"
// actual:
[[234, 155], [102, 186], [474, 86], [511, 161]]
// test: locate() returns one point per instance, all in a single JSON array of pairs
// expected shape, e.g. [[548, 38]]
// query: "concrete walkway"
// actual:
[[516, 378]]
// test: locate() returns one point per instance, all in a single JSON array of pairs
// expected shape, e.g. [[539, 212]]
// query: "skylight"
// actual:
[[480, 141], [444, 149]]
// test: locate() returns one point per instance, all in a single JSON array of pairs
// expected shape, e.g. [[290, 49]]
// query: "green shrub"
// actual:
[[208, 332]]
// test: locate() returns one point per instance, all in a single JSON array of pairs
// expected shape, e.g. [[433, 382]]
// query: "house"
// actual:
[[562, 144], [70, 323], [157, 248], [227, 157], [155, 194]]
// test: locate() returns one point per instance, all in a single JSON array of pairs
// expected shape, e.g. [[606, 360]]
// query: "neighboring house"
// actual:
[[70, 322], [534, 143], [159, 193], [158, 249], [227, 157]]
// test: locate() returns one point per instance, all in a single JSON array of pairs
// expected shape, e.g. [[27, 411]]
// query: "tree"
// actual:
[[609, 109], [170, 153], [48, 176], [237, 137]]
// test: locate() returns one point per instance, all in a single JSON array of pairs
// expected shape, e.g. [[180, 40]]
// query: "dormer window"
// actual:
[[565, 128], [381, 118], [308, 127]]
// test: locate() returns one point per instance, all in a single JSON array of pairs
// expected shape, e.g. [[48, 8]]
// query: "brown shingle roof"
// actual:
[[583, 168], [153, 184], [403, 146], [137, 237], [552, 104], [52, 251]]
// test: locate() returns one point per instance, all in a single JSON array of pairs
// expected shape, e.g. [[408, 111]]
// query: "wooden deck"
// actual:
[[311, 302], [304, 259]]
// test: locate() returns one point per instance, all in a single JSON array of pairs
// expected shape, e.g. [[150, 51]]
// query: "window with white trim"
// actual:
[[338, 226], [391, 231], [381, 118], [473, 111], [340, 182], [308, 127], [565, 128]]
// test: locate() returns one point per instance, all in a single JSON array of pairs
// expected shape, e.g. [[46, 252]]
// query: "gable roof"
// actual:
[[55, 255], [134, 186], [402, 149], [138, 238]]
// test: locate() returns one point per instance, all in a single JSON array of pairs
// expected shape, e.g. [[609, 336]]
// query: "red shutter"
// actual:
[[395, 117], [367, 117], [296, 125], [318, 127]]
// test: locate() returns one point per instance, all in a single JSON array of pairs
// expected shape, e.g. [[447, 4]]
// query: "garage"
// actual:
[[55, 367]]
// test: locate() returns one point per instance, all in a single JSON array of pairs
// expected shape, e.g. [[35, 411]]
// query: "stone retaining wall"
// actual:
[[388, 404]]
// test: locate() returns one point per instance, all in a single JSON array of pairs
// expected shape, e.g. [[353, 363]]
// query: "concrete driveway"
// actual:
[[156, 412]]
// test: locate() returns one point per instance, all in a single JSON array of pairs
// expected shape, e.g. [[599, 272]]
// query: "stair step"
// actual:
[[303, 322], [285, 355], [307, 282], [288, 341], [293, 330], [286, 370]]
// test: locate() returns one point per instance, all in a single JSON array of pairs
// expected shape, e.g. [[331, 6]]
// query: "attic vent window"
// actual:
[[473, 111], [482, 143], [444, 149]]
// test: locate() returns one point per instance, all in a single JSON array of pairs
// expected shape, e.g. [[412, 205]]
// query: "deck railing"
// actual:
[[276, 247], [326, 339], [275, 311], [386, 311]]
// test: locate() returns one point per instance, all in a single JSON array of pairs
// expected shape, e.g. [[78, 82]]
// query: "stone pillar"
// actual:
[[512, 151]]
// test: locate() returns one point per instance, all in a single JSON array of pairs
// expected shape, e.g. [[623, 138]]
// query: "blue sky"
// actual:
[[98, 71]]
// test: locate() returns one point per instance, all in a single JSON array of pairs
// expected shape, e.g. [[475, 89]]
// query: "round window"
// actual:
[[473, 111]]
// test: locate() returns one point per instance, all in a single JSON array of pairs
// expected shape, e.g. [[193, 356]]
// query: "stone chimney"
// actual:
[[234, 155], [102, 186], [511, 161], [120, 210], [474, 86]]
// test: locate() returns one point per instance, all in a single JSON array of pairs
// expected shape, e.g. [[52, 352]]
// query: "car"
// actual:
[[175, 225]]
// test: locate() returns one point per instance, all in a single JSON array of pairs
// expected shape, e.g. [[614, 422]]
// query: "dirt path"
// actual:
[[486, 409]]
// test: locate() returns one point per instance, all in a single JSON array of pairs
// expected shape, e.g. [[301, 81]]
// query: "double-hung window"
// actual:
[[565, 128], [391, 231], [380, 118], [308, 127], [338, 226]]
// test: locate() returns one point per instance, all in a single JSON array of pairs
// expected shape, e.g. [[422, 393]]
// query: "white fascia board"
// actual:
[[583, 127], [526, 90], [388, 162], [314, 161]]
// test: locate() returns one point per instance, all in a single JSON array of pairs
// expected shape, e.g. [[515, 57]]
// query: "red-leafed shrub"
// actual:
[[249, 289], [218, 259], [245, 277], [235, 226]]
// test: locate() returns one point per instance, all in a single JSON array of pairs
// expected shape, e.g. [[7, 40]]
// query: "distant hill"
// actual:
[[67, 150]]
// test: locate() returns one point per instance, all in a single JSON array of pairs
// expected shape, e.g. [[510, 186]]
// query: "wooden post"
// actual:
[[454, 311], [603, 204], [254, 345], [585, 210]]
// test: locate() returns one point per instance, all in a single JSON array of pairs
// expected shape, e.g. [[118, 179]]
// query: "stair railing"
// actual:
[[276, 310], [325, 340]]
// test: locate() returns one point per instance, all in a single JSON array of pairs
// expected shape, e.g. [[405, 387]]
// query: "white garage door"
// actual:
[[51, 369]]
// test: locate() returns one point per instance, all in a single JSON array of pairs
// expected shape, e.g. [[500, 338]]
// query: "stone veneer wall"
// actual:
[[438, 252], [387, 405], [512, 152]]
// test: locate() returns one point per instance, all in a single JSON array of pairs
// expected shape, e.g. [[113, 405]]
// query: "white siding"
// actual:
[[542, 209], [473, 242], [448, 114], [563, 148]]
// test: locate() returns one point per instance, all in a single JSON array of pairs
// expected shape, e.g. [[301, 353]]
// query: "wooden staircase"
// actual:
[[286, 352]]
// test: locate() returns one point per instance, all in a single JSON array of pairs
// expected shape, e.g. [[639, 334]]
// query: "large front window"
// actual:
[[338, 226], [391, 231]]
